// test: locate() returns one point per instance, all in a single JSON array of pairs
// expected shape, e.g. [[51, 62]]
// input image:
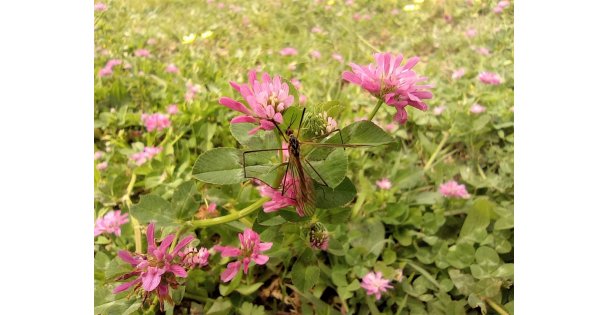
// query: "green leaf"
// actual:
[[461, 255], [361, 133], [220, 306], [263, 139], [320, 306], [269, 218], [334, 216], [465, 283], [184, 201], [327, 197], [332, 169], [222, 166], [251, 309], [372, 236], [475, 225], [487, 257], [234, 283], [154, 208], [249, 289], [305, 272], [427, 198]]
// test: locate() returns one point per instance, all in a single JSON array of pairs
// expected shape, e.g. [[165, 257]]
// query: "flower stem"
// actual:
[[126, 198], [230, 217], [496, 307], [434, 155], [371, 116], [372, 305], [279, 177]]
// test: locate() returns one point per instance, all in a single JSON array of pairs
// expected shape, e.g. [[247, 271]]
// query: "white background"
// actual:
[[46, 160]]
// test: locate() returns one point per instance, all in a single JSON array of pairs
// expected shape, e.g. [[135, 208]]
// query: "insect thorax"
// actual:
[[294, 146]]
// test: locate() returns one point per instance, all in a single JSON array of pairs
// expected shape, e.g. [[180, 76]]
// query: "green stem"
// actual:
[[434, 155], [177, 235], [126, 198], [279, 177], [372, 305], [425, 274], [230, 217], [371, 116], [496, 307], [195, 297]]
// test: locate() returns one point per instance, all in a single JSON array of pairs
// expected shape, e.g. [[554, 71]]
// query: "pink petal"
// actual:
[[182, 244], [265, 246], [125, 286], [227, 251], [230, 271], [261, 259], [150, 237], [243, 119], [151, 278], [232, 104], [126, 256], [178, 271]]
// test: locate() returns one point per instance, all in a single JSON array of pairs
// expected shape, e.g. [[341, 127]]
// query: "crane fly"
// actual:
[[296, 183]]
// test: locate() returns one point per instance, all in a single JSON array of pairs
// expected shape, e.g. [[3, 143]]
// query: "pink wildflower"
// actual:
[[458, 73], [374, 284], [484, 51], [489, 78], [156, 121], [172, 109], [315, 54], [349, 2], [142, 53], [391, 82], [191, 91], [438, 110], [107, 70], [316, 30], [278, 200], [318, 236], [476, 109], [288, 51], [267, 99], [98, 155], [205, 211], [151, 41], [303, 99], [330, 124], [102, 166], [337, 57], [471, 32], [250, 251], [193, 257], [357, 17], [156, 270], [110, 223], [100, 6], [453, 189], [147, 154], [447, 18], [171, 68], [395, 12], [384, 183], [390, 127], [501, 6], [296, 83]]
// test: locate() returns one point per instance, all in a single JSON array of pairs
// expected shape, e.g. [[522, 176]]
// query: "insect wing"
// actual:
[[302, 187]]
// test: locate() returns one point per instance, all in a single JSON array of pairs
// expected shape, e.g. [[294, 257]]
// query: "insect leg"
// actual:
[[254, 151], [312, 167]]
